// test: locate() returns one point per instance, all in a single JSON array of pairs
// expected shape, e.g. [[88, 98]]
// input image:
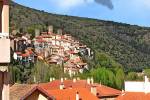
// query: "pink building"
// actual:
[[4, 50]]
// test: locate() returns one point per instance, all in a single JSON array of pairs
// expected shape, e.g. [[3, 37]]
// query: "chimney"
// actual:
[[94, 90], [77, 96], [34, 79], [100, 83], [61, 86], [146, 79], [88, 81], [65, 78], [78, 78], [50, 29], [59, 31], [122, 92], [51, 79], [62, 80], [146, 85], [74, 80], [92, 80]]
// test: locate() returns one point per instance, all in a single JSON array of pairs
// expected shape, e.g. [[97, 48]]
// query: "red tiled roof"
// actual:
[[38, 37], [66, 58], [107, 91], [29, 51], [19, 53], [25, 55], [70, 94], [62, 37], [134, 96], [19, 90], [40, 40], [46, 36], [36, 88], [101, 89], [71, 88]]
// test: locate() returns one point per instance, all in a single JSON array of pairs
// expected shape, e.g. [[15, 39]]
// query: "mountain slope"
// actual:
[[127, 44]]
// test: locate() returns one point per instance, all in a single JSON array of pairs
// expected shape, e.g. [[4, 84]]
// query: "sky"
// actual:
[[135, 12]]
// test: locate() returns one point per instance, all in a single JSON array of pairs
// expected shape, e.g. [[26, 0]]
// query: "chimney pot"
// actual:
[[123, 92], [51, 79], [88, 81], [65, 78], [146, 79], [78, 78], [92, 80], [61, 86], [77, 96], [74, 80], [62, 80], [94, 90]]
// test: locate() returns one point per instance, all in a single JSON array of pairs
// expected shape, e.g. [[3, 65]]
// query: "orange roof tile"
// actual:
[[107, 91], [19, 53], [70, 94], [41, 91], [134, 96], [101, 89], [25, 55], [19, 90]]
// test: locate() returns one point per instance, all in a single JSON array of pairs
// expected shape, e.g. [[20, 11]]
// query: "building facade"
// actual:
[[4, 50]]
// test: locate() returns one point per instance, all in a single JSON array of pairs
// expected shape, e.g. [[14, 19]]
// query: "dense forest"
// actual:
[[128, 45]]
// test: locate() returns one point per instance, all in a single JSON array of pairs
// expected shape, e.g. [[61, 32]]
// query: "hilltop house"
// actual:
[[58, 49]]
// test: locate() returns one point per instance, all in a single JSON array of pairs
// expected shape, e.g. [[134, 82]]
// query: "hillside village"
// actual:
[[107, 81], [59, 49]]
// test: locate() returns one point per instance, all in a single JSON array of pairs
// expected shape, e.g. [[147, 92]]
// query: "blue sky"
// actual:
[[136, 12]]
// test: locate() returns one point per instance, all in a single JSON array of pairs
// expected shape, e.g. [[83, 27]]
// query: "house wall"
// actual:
[[1, 6], [5, 17], [1, 85], [41, 97], [4, 50], [36, 96]]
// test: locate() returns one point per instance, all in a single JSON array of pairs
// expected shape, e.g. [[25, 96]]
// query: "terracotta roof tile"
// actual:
[[70, 94], [134, 96], [101, 89], [19, 90]]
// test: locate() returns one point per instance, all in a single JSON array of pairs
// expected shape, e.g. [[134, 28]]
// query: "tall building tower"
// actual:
[[4, 49]]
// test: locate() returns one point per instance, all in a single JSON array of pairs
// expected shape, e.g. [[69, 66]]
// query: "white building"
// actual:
[[134, 86]]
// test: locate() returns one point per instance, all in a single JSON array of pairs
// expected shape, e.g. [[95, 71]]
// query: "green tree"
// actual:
[[40, 71], [132, 76], [103, 75], [147, 72], [43, 71], [120, 76]]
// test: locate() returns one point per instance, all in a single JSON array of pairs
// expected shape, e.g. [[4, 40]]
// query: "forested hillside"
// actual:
[[127, 44]]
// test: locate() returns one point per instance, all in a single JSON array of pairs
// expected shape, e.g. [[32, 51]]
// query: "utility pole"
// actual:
[[4, 49]]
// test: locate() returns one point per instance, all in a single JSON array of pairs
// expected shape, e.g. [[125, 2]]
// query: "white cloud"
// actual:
[[146, 3], [142, 3], [68, 4]]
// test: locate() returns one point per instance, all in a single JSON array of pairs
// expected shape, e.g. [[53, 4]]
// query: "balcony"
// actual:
[[4, 48]]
